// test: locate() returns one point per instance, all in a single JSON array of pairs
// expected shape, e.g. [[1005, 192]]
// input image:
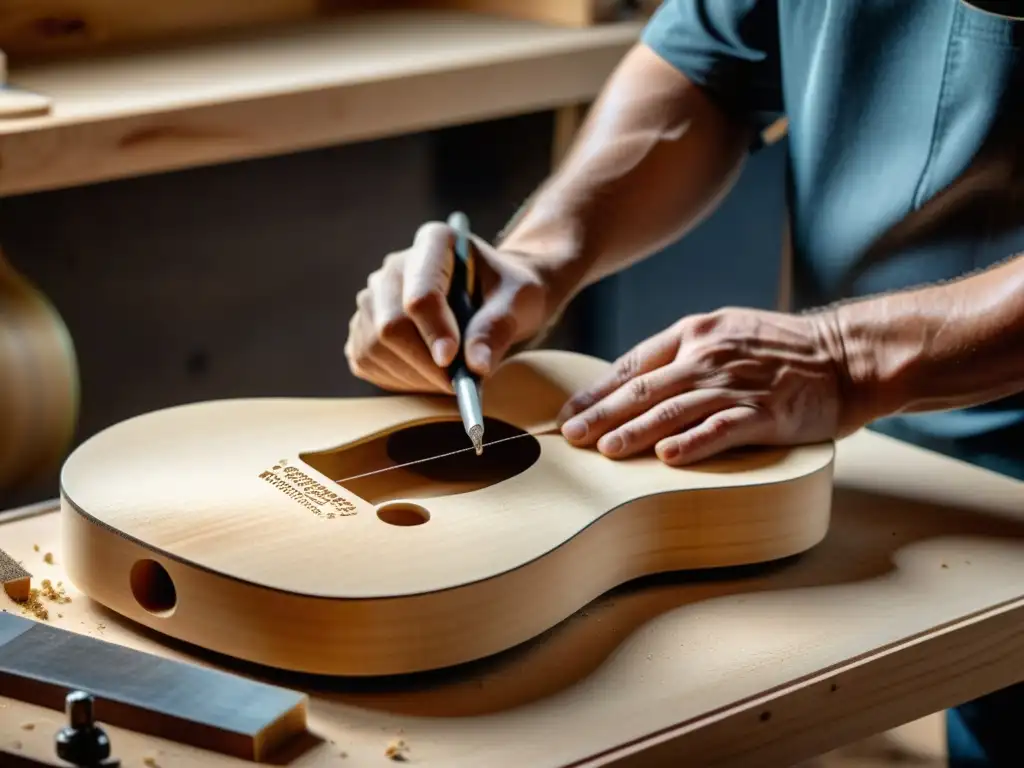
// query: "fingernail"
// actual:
[[574, 429], [610, 444], [669, 451], [443, 350], [479, 357]]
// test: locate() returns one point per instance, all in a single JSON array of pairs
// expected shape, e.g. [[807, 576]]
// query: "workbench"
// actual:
[[262, 92], [913, 603]]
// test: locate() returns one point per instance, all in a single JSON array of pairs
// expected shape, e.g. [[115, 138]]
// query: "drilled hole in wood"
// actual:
[[402, 513], [153, 587]]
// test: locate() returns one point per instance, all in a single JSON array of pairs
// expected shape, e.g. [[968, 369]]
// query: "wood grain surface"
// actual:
[[259, 93], [265, 528], [911, 604]]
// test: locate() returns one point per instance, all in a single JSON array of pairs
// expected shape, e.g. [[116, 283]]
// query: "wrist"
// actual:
[[869, 384], [549, 242]]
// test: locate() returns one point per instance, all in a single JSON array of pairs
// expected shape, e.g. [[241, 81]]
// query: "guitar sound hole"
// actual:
[[427, 460], [507, 452]]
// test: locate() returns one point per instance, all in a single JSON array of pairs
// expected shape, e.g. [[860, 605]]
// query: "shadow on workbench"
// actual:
[[868, 534]]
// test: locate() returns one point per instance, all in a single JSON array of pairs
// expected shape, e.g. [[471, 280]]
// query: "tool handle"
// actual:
[[463, 292]]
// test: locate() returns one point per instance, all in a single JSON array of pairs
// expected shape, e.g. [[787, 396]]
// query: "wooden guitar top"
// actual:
[[172, 517]]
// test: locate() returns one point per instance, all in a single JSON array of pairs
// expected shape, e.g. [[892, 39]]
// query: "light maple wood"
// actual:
[[221, 524], [573, 13], [34, 30], [38, 382], [261, 93], [912, 603]]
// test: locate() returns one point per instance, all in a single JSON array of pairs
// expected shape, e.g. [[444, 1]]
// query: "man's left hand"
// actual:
[[717, 381]]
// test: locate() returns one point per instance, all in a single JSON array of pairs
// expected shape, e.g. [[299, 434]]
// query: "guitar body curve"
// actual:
[[263, 529]]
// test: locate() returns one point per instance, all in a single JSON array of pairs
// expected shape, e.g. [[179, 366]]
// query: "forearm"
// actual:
[[652, 159], [936, 348]]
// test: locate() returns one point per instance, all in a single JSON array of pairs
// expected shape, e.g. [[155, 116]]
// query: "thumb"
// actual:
[[490, 334]]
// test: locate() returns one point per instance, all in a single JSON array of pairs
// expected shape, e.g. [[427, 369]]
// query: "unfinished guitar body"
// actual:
[[221, 523]]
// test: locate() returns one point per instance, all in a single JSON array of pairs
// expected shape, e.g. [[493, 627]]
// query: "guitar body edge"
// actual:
[[682, 531]]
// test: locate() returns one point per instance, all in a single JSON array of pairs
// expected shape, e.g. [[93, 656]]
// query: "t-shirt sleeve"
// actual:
[[728, 47]]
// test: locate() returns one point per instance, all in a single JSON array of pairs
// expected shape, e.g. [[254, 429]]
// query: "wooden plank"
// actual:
[[37, 30], [148, 694], [573, 13], [921, 573], [314, 85]]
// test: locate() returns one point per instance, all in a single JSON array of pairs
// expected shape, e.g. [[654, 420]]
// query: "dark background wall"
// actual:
[[239, 280]]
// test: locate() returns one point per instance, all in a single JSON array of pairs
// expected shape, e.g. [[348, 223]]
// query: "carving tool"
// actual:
[[463, 297]]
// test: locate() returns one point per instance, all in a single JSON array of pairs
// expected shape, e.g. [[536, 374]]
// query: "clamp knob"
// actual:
[[81, 742]]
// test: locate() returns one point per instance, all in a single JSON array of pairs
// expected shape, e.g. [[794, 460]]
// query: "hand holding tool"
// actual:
[[463, 297]]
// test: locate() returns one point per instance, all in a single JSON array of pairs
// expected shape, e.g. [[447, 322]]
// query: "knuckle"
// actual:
[[717, 426], [626, 366], [666, 414], [432, 230], [639, 390], [595, 416], [391, 329], [373, 282], [501, 329], [578, 403], [423, 303], [393, 260], [363, 299]]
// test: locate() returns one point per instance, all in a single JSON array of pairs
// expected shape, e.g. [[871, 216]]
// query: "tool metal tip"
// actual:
[[476, 434]]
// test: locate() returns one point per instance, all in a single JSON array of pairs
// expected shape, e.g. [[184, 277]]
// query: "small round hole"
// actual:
[[402, 513], [153, 588]]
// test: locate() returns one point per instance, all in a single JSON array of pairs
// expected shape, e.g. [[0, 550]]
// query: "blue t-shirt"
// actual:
[[888, 101]]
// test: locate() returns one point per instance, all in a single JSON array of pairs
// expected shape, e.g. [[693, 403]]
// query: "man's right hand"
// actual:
[[403, 334]]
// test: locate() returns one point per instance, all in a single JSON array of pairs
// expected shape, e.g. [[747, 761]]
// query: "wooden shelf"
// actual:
[[316, 84]]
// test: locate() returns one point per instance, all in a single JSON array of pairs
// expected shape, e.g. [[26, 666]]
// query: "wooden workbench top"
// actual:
[[293, 87], [915, 601]]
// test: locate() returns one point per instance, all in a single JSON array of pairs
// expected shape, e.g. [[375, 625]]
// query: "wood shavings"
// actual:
[[54, 593], [33, 606], [397, 751]]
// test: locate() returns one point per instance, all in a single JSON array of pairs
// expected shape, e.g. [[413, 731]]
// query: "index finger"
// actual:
[[427, 276]]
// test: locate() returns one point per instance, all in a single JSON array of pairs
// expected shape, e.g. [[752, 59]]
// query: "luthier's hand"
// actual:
[[712, 382], [403, 333]]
